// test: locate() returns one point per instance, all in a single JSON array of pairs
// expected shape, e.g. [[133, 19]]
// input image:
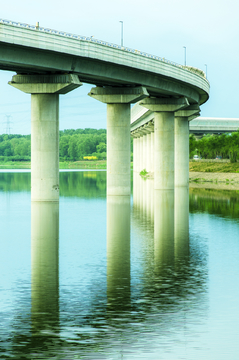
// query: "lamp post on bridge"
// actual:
[[184, 55], [121, 33], [206, 69]]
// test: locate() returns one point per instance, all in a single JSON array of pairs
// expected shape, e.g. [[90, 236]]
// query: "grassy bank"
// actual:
[[99, 164], [194, 166], [218, 167], [15, 165]]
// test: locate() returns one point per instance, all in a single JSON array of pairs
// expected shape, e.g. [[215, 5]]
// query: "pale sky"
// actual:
[[208, 29]]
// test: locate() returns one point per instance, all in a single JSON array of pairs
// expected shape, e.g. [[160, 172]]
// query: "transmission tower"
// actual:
[[8, 124]]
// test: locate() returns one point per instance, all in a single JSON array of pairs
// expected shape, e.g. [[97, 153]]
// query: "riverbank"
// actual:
[[213, 166], [99, 164], [223, 181], [214, 174]]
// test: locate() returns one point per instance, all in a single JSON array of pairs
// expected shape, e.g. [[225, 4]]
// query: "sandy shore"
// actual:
[[225, 181], [210, 180]]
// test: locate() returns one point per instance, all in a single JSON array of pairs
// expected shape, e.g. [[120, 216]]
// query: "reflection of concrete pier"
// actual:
[[163, 228], [170, 216], [118, 250], [45, 266], [181, 222]]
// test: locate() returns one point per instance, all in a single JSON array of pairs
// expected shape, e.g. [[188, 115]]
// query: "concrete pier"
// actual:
[[45, 147], [45, 90], [182, 118], [164, 138], [181, 152], [118, 102]]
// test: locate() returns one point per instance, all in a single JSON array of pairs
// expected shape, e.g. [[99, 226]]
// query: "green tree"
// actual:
[[101, 147], [72, 150]]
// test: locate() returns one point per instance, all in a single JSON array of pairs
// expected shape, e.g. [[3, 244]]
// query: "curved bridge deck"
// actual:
[[32, 49]]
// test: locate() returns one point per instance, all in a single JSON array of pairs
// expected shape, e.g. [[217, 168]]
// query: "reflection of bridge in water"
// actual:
[[168, 260]]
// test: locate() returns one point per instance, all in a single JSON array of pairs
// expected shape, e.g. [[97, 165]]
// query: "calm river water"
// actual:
[[67, 293]]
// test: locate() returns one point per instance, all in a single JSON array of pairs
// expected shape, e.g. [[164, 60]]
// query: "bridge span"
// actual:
[[49, 63]]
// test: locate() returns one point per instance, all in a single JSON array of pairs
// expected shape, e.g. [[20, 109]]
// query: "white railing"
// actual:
[[105, 43]]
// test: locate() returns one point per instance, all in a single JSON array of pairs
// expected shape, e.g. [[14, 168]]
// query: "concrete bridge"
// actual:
[[49, 63]]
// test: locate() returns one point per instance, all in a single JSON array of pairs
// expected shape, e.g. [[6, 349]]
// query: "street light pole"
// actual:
[[121, 33], [185, 55]]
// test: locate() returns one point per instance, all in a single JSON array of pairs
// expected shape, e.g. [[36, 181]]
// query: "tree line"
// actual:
[[209, 146], [77, 144], [73, 145]]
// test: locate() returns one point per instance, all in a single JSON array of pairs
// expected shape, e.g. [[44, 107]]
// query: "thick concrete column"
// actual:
[[118, 102], [118, 149], [141, 162], [164, 138], [152, 152], [135, 153], [182, 118], [144, 152], [148, 166], [138, 155], [181, 151], [164, 151], [45, 147], [45, 90]]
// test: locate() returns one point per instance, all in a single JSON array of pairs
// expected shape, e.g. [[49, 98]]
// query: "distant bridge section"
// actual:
[[142, 120], [208, 125]]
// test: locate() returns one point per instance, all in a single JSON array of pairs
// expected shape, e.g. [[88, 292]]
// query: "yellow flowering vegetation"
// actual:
[[90, 157]]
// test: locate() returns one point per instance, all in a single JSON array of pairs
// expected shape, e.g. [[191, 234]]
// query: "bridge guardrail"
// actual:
[[105, 43]]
